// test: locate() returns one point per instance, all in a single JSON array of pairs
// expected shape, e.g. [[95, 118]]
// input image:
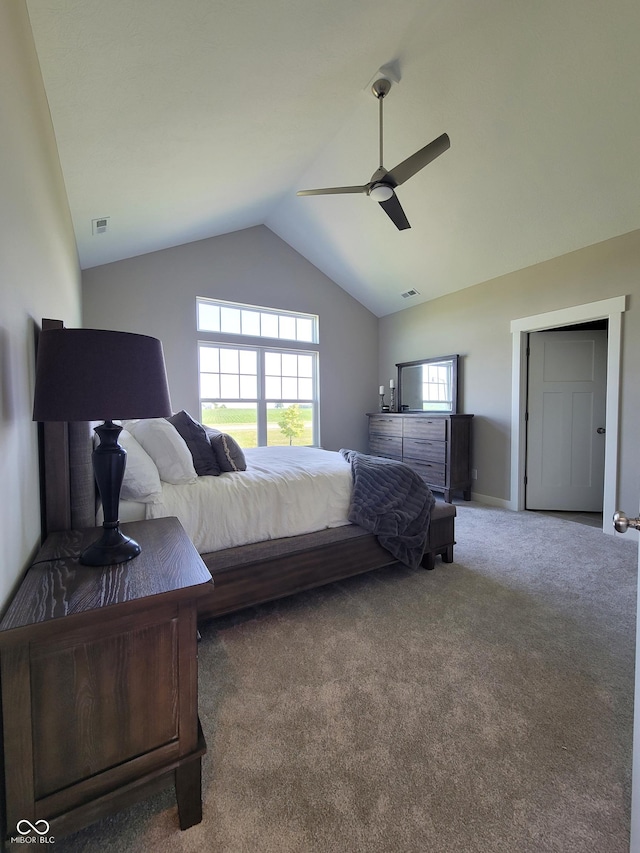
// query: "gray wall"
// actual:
[[39, 277], [476, 323], [155, 294]]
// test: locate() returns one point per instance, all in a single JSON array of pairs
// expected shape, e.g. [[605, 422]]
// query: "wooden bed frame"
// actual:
[[243, 576]]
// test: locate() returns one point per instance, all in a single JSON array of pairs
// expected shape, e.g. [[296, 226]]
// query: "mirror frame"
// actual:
[[454, 383]]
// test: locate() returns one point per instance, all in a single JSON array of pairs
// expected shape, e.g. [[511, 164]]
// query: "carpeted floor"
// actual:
[[484, 707]]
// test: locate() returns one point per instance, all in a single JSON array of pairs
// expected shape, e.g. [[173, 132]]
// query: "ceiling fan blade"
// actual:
[[394, 211], [334, 190], [405, 170]]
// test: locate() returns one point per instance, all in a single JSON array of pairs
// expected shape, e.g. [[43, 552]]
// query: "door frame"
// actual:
[[606, 309]]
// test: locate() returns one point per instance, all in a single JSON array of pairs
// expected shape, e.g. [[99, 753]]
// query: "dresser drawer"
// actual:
[[386, 445], [433, 473], [434, 428], [424, 449], [385, 425]]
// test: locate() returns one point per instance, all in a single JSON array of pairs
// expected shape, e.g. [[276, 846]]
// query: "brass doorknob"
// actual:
[[622, 522]]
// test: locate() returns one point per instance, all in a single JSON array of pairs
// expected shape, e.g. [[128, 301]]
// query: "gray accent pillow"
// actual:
[[197, 440], [228, 453]]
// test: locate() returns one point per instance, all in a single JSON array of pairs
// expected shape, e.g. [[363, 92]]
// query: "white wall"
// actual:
[[476, 323], [155, 294], [39, 277]]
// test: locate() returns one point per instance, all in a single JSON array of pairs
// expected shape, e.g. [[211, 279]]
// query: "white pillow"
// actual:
[[166, 447], [141, 478]]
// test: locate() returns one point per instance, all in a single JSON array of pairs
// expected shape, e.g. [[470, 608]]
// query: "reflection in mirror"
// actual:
[[428, 385]]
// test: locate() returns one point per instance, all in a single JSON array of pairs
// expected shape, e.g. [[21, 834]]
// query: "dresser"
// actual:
[[438, 447], [99, 681]]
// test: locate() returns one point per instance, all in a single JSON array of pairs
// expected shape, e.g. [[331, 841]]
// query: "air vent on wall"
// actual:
[[410, 293], [99, 226]]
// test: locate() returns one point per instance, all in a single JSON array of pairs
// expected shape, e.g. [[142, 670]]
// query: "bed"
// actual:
[[244, 573]]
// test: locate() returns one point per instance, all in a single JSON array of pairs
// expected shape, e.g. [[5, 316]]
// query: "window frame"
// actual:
[[261, 345]]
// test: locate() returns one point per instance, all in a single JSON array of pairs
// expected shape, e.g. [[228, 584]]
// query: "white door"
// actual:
[[566, 420]]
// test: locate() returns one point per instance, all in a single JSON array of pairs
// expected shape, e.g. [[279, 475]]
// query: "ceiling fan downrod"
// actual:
[[380, 89]]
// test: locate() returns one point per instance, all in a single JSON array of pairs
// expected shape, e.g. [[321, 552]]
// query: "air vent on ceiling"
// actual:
[[99, 226], [410, 293]]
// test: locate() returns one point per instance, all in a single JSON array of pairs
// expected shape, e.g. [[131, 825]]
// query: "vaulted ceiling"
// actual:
[[185, 120]]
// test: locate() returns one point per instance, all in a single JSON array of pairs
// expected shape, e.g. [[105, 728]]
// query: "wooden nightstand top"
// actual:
[[57, 585]]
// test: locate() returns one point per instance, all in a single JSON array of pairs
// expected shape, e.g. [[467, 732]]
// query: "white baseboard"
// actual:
[[489, 500]]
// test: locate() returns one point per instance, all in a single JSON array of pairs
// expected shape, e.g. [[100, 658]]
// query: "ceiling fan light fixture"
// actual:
[[381, 192]]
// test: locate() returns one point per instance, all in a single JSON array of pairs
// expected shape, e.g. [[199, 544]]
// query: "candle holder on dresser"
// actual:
[[392, 407]]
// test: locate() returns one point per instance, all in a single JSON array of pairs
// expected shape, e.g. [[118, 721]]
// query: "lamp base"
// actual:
[[112, 547]]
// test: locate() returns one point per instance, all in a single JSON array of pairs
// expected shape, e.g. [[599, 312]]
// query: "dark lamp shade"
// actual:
[[95, 374]]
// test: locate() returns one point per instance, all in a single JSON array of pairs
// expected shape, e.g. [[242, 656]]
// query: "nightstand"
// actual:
[[100, 682]]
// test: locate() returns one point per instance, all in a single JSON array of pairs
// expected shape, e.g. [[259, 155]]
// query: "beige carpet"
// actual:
[[482, 707]]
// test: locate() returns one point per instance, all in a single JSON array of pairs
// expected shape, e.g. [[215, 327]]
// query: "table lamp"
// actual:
[[99, 375]]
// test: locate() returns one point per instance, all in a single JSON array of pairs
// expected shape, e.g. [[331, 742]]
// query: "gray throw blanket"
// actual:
[[392, 501]]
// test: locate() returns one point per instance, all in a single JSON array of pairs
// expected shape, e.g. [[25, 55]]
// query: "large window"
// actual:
[[262, 392]]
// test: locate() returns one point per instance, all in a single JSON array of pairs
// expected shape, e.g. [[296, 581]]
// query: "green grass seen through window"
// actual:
[[242, 425]]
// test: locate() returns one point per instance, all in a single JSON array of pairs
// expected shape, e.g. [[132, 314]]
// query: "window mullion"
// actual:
[[316, 408], [262, 405]]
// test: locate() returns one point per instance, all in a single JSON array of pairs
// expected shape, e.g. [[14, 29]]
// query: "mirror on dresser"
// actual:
[[429, 385]]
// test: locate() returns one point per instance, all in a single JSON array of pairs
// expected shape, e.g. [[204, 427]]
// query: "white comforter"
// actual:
[[285, 491]]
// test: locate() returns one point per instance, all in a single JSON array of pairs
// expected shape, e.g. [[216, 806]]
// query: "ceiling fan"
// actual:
[[383, 183]]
